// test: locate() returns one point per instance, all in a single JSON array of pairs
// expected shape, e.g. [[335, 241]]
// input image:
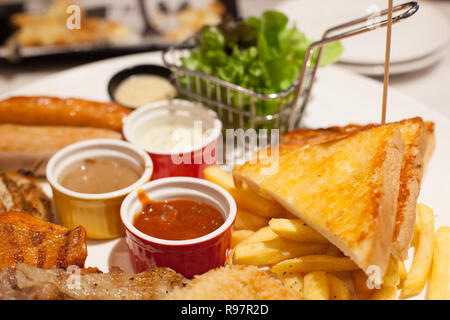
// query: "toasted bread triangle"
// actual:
[[346, 189], [418, 140], [414, 138]]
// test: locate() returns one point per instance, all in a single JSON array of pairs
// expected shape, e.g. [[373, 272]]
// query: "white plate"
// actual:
[[417, 43], [340, 97], [397, 68], [426, 32]]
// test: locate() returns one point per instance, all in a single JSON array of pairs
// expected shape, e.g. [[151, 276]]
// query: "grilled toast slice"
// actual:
[[303, 136], [346, 189], [431, 143], [414, 138], [418, 139]]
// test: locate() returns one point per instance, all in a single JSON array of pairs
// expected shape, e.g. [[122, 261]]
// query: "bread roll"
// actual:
[[30, 147]]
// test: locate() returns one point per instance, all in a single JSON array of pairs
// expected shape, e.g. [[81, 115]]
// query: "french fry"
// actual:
[[415, 239], [263, 234], [385, 293], [237, 236], [249, 221], [312, 263], [392, 276], [218, 176], [249, 200], [271, 252], [229, 259], [421, 265], [287, 215], [245, 198], [316, 286], [297, 230], [440, 272], [362, 291], [402, 272], [338, 289], [294, 281], [333, 251]]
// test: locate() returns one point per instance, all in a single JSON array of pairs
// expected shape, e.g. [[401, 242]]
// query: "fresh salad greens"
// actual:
[[261, 54]]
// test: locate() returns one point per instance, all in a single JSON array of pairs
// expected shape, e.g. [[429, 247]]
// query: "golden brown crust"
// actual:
[[52, 111], [47, 139], [235, 283], [415, 139], [346, 189], [431, 143], [25, 239], [419, 145], [19, 191], [23, 219], [387, 209], [315, 136]]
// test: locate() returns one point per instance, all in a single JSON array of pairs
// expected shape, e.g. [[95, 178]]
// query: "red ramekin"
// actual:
[[164, 165], [188, 257]]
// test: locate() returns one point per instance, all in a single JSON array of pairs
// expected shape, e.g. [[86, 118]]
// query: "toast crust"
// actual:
[[418, 138], [431, 143], [346, 189], [414, 137]]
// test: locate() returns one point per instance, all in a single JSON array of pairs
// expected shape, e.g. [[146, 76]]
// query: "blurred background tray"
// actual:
[[149, 25]]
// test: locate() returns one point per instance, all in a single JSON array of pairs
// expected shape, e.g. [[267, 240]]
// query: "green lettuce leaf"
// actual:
[[263, 54]]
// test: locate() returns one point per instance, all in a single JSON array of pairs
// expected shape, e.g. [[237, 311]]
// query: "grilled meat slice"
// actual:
[[25, 220], [346, 189], [115, 285], [9, 290], [24, 238], [21, 192]]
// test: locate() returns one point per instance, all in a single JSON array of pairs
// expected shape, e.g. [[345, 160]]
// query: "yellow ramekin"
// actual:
[[98, 213]]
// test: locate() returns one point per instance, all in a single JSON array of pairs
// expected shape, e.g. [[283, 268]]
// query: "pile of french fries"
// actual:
[[265, 235]]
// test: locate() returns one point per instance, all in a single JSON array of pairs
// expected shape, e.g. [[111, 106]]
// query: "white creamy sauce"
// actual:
[[173, 136], [139, 90]]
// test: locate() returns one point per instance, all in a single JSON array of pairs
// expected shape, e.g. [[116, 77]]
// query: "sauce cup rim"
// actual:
[[228, 223], [93, 143], [133, 70], [129, 120]]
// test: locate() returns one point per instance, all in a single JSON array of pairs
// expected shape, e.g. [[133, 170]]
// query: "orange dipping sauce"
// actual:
[[176, 219]]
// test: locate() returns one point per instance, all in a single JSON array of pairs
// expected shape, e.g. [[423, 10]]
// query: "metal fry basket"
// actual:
[[239, 107]]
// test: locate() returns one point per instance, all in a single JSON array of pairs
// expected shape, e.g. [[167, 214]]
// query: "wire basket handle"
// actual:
[[411, 7]]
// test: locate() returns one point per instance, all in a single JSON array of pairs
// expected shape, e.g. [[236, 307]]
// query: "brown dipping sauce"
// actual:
[[99, 176], [176, 219]]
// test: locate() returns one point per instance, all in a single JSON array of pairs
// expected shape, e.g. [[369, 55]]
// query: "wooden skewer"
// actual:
[[387, 62]]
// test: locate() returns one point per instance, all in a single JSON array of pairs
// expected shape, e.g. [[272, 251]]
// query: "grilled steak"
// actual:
[[24, 238], [25, 220], [21, 192], [115, 285], [9, 290]]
